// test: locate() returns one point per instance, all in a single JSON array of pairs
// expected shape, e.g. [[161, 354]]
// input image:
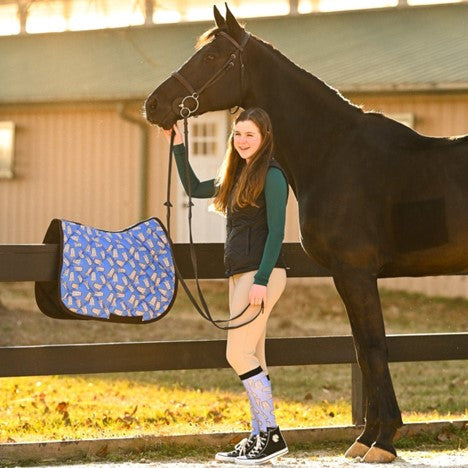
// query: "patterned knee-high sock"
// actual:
[[253, 421], [258, 387]]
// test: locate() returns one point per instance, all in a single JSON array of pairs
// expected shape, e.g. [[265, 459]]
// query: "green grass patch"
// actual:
[[184, 402], [190, 402], [451, 438]]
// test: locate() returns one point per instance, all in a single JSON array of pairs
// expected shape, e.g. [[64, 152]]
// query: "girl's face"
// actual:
[[247, 139]]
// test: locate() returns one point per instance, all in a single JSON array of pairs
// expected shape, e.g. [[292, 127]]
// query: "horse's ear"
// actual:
[[220, 21], [234, 27]]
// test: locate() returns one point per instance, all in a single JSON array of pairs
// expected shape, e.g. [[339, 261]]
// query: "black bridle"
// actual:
[[186, 112], [194, 95]]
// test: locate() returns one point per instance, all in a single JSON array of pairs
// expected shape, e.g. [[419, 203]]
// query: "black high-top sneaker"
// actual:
[[269, 445], [242, 448]]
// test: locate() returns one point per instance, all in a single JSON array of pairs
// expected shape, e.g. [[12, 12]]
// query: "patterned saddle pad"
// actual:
[[126, 276]]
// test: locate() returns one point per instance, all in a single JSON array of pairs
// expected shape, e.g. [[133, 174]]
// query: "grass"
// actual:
[[158, 403]]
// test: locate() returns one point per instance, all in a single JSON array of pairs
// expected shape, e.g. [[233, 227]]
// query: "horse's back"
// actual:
[[427, 201], [406, 195], [414, 164], [381, 129]]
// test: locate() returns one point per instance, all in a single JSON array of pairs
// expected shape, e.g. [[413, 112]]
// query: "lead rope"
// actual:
[[168, 203], [203, 310]]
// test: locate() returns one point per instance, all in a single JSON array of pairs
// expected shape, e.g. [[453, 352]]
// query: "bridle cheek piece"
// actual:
[[185, 109]]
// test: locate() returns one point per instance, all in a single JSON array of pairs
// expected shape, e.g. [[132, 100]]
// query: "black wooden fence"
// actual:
[[40, 262]]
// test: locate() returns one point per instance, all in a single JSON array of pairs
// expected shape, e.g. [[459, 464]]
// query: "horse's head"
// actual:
[[212, 79]]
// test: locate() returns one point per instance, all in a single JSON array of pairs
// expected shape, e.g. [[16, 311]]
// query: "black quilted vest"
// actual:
[[246, 233]]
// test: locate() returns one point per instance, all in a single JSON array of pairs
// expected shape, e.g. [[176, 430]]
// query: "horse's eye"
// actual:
[[209, 58]]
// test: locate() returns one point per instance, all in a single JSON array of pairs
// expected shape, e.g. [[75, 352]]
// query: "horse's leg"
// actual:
[[372, 426], [361, 297]]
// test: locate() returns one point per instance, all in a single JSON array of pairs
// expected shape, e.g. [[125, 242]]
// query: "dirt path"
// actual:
[[413, 459]]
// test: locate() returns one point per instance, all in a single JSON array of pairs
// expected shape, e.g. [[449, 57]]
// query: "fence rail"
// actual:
[[40, 262]]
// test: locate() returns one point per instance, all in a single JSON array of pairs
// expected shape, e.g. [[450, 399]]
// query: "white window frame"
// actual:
[[198, 141], [7, 149]]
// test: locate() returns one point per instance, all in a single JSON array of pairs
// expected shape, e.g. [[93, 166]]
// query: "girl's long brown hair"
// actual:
[[251, 176]]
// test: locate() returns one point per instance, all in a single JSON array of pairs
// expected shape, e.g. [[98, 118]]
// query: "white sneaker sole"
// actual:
[[246, 461], [224, 458]]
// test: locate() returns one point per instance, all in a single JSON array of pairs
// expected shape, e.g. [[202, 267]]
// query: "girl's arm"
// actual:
[[205, 189], [276, 194]]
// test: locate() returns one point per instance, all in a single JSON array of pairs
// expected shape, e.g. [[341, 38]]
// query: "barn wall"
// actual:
[[434, 114], [74, 162]]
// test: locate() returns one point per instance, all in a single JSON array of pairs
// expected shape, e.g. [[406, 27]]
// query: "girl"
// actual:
[[251, 191]]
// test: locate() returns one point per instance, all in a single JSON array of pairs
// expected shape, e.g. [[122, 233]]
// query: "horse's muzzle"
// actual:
[[150, 109], [162, 115]]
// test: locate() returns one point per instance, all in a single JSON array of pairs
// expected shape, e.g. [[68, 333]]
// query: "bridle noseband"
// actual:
[[194, 95]]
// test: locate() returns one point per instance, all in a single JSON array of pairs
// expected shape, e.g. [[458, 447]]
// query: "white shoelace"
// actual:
[[241, 447], [260, 442]]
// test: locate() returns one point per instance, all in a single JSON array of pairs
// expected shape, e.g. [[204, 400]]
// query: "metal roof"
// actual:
[[411, 48]]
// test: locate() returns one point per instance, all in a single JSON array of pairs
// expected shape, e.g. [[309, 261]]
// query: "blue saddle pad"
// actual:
[[126, 276]]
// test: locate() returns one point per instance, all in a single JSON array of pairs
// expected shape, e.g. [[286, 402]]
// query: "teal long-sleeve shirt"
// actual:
[[276, 194]]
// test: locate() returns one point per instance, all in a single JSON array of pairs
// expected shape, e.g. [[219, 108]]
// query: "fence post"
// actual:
[[358, 396]]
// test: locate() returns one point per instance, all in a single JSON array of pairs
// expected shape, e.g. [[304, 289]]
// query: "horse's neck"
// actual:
[[276, 80], [306, 113]]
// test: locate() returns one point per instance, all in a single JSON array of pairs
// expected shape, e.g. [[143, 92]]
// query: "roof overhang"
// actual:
[[392, 50]]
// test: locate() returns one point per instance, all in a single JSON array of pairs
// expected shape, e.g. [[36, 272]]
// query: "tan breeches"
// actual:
[[245, 349]]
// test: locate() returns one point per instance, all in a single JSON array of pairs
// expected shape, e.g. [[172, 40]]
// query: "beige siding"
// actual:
[[79, 163], [435, 114], [157, 187]]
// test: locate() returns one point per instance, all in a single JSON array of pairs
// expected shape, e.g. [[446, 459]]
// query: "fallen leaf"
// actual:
[[103, 451], [61, 407]]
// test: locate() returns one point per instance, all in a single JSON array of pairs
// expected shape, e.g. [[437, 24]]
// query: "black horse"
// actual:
[[376, 199]]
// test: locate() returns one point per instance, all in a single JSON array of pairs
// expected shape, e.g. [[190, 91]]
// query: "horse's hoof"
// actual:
[[378, 455], [356, 450]]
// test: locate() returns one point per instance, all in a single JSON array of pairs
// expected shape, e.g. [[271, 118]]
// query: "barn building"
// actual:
[[74, 144]]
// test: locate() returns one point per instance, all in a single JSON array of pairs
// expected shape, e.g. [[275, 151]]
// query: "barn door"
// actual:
[[208, 136]]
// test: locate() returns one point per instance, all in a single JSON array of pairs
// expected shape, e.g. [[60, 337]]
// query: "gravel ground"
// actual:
[[451, 459]]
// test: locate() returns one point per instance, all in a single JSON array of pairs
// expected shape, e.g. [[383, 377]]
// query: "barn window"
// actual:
[[204, 139], [7, 149]]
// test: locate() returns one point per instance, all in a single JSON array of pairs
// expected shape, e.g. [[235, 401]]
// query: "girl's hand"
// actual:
[[178, 136], [257, 294]]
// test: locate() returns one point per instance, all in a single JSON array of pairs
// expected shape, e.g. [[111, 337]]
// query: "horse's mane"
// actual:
[[209, 35], [307, 75]]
